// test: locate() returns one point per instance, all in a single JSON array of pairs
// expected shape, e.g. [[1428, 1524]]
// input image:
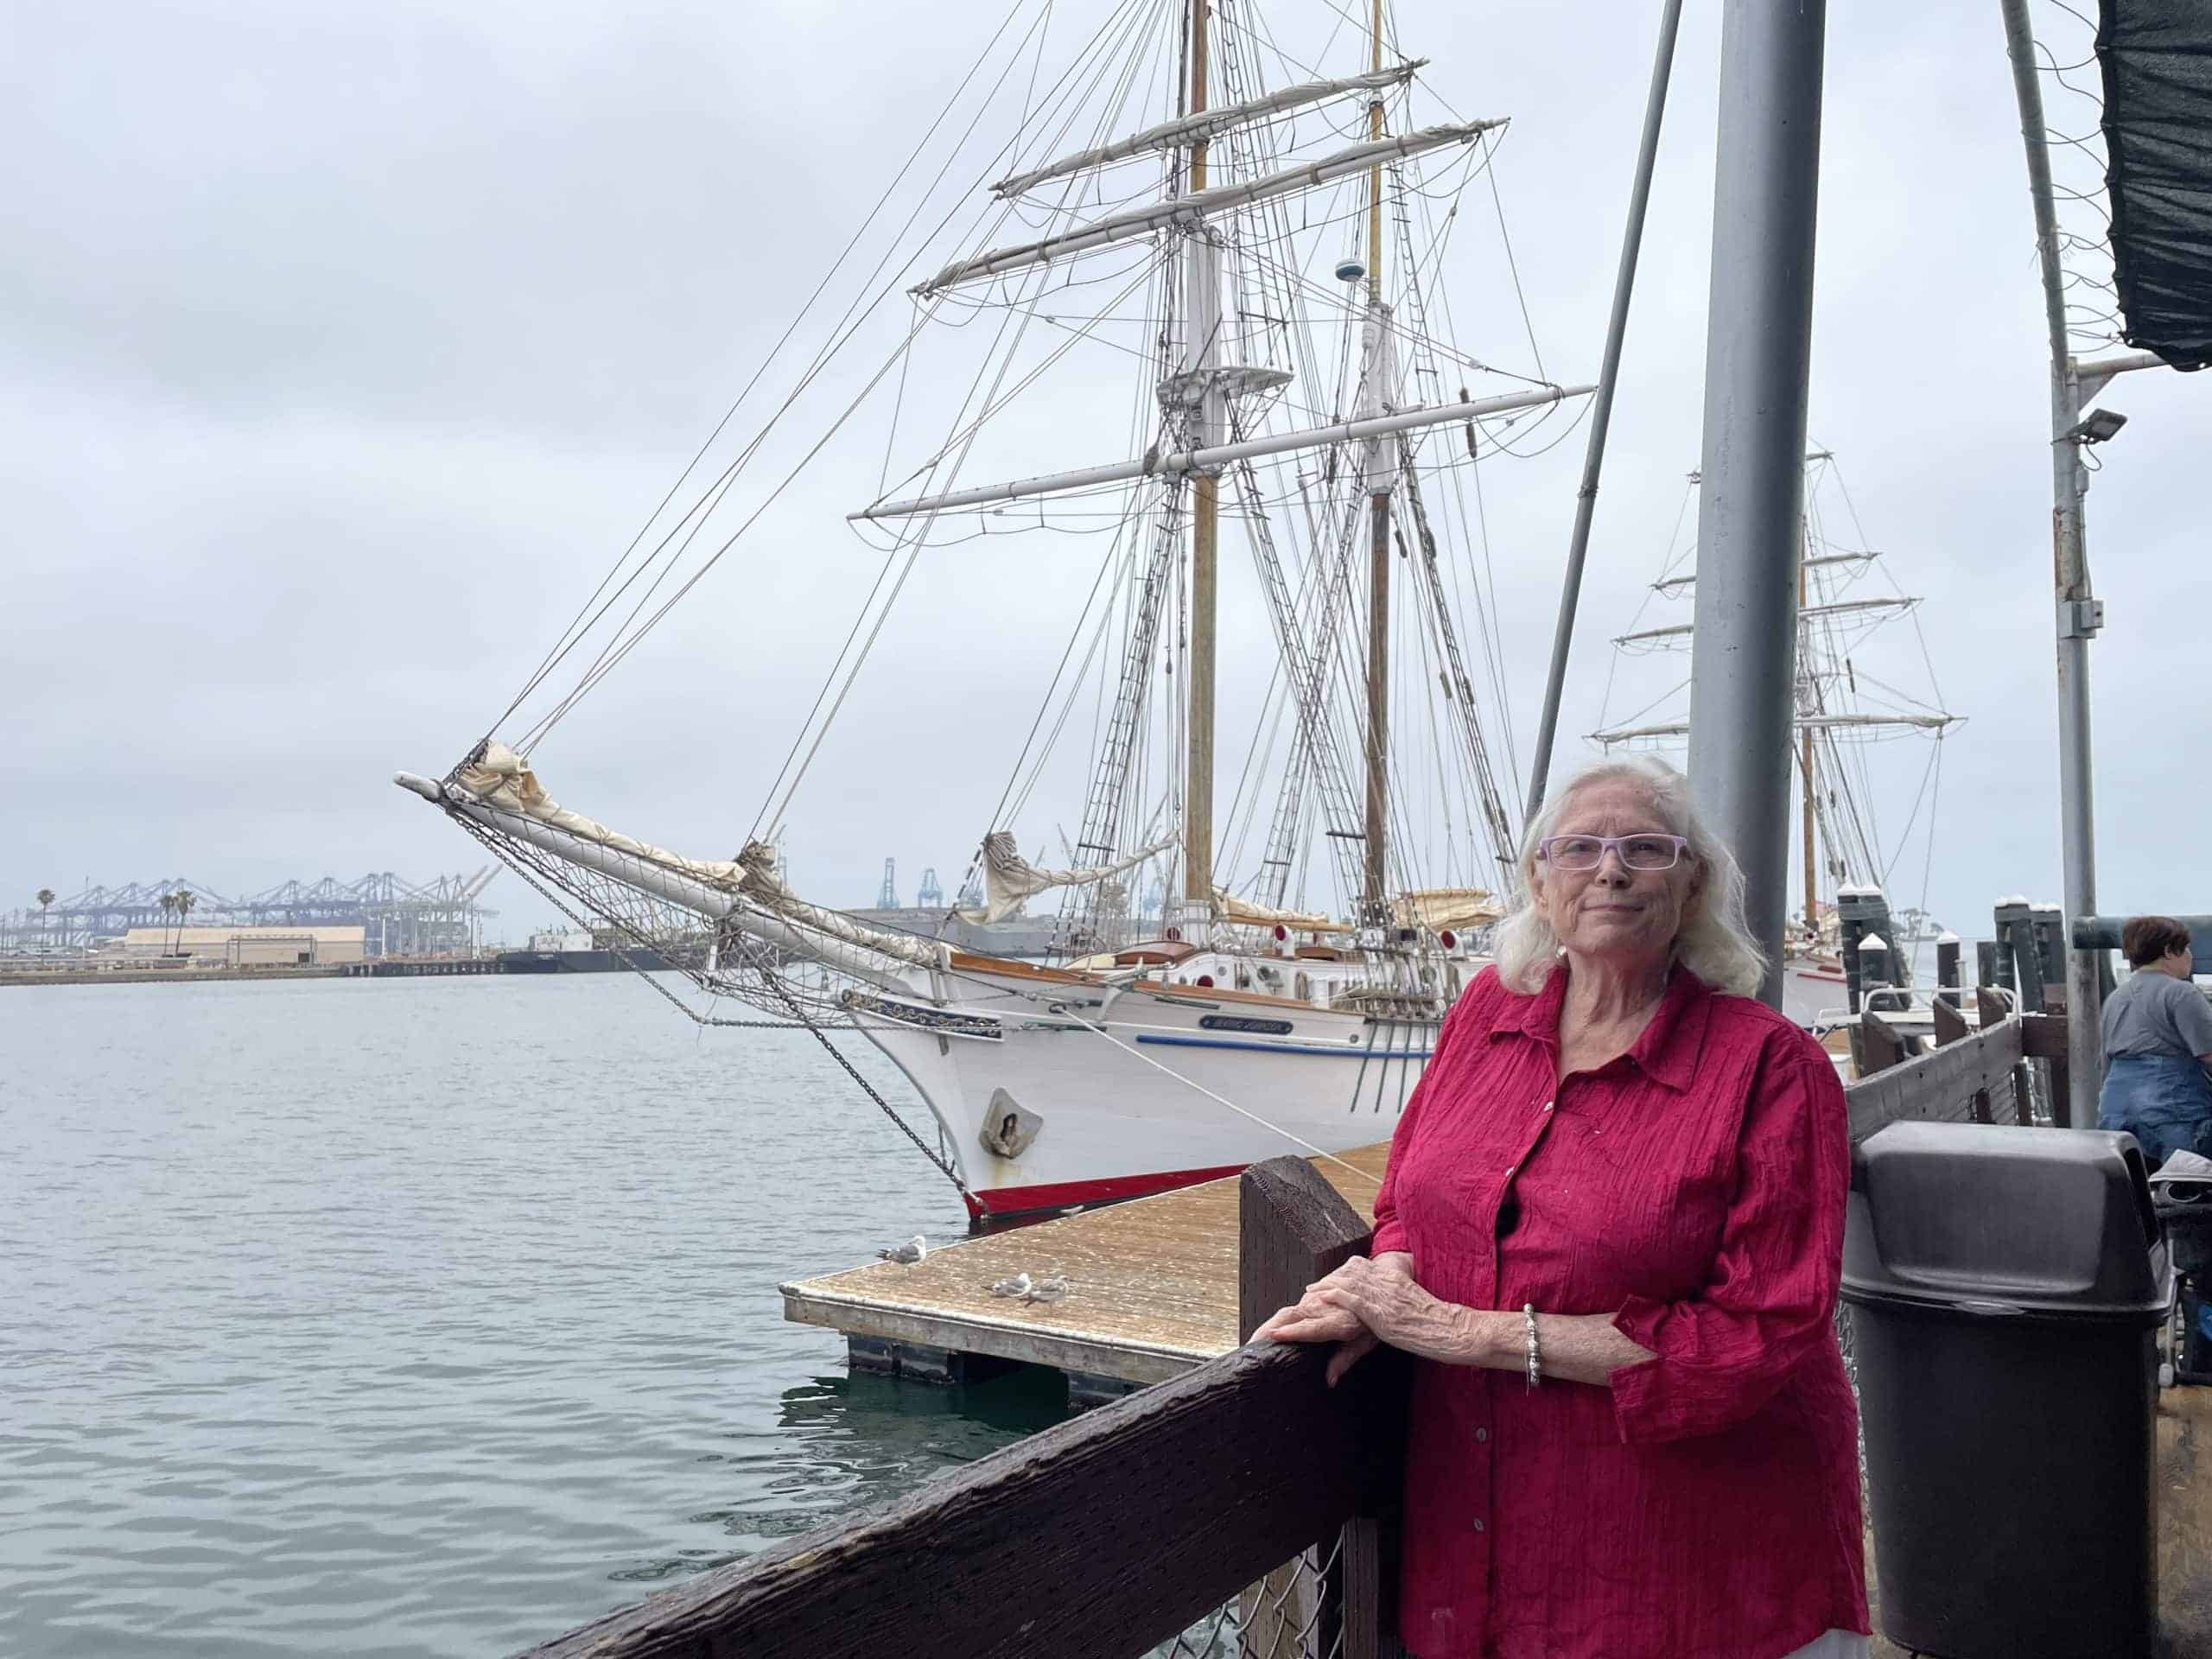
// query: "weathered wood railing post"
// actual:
[[1949, 993], [1294, 1228], [1985, 963], [1951, 1027], [2017, 966], [1877, 972], [1951, 1082], [2042, 1037], [1875, 1044], [1994, 1012]]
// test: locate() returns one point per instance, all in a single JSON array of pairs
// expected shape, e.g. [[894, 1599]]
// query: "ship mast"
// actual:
[[1202, 311], [1374, 896]]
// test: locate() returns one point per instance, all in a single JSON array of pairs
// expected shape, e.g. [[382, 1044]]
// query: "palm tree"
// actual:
[[186, 899], [45, 903], [168, 909]]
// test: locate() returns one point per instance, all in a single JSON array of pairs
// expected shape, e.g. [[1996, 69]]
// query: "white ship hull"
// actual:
[[1128, 1084]]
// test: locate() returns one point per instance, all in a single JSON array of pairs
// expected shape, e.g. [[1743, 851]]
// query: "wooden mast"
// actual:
[[1205, 527], [1376, 895]]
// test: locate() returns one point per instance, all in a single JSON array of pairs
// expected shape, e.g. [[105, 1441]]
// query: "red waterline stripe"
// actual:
[[1057, 1195]]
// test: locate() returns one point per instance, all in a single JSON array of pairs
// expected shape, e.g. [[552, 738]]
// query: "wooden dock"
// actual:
[[1152, 1290]]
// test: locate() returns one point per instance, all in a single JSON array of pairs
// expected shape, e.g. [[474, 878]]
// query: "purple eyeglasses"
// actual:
[[1636, 852]]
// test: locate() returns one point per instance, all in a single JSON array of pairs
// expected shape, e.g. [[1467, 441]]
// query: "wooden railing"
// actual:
[[1970, 1076], [1109, 1536]]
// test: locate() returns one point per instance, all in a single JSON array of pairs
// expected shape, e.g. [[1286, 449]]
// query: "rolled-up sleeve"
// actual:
[[1771, 1298]]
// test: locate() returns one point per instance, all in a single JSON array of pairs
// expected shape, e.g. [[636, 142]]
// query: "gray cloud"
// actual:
[[348, 344]]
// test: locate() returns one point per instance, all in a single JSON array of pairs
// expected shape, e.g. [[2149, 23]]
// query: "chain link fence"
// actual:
[[1286, 1615]]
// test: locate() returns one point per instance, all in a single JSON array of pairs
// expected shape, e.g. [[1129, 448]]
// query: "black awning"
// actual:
[[2157, 57]]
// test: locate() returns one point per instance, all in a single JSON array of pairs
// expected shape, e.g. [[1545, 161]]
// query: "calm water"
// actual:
[[427, 1317]]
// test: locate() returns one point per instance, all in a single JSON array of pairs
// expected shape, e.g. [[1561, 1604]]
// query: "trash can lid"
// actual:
[[2049, 1221]]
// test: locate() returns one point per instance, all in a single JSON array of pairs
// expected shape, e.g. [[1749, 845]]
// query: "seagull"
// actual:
[[1047, 1290], [1017, 1285], [907, 1253]]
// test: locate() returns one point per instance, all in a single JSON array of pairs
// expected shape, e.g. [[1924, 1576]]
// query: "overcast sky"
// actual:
[[347, 344]]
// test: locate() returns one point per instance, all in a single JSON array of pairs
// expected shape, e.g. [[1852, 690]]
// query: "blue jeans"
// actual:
[[2164, 1100]]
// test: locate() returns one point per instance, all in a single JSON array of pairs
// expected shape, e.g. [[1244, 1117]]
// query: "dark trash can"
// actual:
[[2006, 1286]]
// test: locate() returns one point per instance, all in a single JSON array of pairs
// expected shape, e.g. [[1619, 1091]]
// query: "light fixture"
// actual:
[[2098, 426]]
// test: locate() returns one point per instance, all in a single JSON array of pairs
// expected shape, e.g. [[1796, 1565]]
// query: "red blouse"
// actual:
[[1705, 1505]]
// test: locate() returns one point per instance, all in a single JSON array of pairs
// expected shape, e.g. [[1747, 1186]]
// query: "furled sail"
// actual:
[[1809, 614], [1438, 908], [1132, 223], [1208, 123], [498, 777], [1933, 721], [1672, 585], [1010, 880], [1233, 909], [1214, 457], [765, 888]]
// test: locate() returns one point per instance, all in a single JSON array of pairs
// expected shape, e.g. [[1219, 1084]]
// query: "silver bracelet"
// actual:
[[1536, 1353]]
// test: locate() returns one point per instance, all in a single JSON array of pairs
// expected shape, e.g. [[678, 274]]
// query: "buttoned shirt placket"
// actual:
[[1540, 1122]]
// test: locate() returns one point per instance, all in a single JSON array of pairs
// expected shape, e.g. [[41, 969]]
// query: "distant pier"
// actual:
[[421, 967], [78, 971]]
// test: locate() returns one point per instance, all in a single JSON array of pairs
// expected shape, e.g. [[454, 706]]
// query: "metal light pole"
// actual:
[[1601, 408], [1751, 504], [2079, 614]]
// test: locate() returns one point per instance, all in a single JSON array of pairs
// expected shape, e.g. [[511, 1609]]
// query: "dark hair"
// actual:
[[2146, 939]]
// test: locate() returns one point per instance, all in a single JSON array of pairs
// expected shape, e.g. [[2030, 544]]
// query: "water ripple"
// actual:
[[405, 1318]]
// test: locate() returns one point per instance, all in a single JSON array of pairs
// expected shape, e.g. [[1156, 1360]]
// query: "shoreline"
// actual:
[[165, 975]]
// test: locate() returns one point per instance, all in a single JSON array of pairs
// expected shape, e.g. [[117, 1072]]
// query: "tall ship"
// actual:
[[1219, 254], [1869, 725]]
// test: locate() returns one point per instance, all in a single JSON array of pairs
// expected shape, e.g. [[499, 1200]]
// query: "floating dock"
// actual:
[[1151, 1290]]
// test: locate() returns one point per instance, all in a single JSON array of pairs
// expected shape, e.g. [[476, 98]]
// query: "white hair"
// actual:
[[1714, 942]]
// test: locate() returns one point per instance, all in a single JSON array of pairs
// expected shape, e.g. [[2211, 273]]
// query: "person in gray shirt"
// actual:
[[2157, 1038]]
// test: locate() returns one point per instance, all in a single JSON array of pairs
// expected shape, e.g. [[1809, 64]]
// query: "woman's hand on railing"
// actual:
[[1328, 1309]]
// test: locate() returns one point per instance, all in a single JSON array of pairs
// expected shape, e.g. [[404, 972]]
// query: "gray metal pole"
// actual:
[[1750, 505], [2077, 620], [1601, 408]]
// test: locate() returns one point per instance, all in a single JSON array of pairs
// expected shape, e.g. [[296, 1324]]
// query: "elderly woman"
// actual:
[[2158, 1041], [1610, 1236]]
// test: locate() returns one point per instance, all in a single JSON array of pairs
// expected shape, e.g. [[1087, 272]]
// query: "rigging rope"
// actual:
[[565, 643], [528, 862], [630, 632]]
